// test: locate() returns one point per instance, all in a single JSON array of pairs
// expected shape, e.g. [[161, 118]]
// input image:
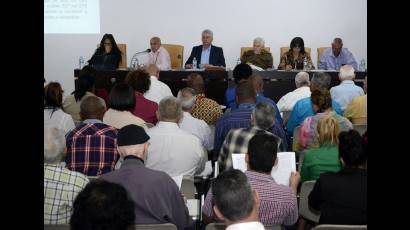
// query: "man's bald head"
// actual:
[[257, 82], [196, 82], [92, 107], [153, 70]]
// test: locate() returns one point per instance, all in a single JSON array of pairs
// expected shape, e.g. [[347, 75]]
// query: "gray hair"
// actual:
[[187, 97], [320, 80], [259, 40], [264, 115], [302, 79], [346, 72], [170, 109], [208, 31], [54, 145]]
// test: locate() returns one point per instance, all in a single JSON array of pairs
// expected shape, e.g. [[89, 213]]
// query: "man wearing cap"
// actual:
[[156, 196]]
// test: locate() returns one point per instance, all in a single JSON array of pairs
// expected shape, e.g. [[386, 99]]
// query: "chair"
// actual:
[[57, 227], [176, 53], [360, 128], [304, 210], [277, 227], [244, 49], [215, 226], [320, 50], [123, 49], [286, 49], [339, 227], [167, 226], [285, 117], [92, 178], [188, 187], [295, 142]]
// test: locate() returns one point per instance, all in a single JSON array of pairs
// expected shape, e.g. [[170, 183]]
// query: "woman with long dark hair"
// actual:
[[293, 59], [107, 55]]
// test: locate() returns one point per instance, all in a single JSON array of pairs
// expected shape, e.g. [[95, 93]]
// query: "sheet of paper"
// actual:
[[286, 165], [238, 161], [192, 205], [178, 180], [207, 169]]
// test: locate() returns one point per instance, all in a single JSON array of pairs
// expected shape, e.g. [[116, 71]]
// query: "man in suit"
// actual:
[[206, 54]]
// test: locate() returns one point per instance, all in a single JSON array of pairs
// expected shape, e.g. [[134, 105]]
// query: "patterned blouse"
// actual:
[[288, 59]]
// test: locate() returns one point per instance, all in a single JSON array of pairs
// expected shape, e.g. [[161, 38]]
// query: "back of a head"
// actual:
[[328, 129], [139, 80], [351, 148], [85, 83], [264, 115], [54, 145], [53, 95], [152, 70], [257, 82], [233, 195], [262, 152], [302, 79], [187, 98], [102, 205], [241, 72], [322, 99], [195, 81], [121, 97], [92, 107], [170, 109], [346, 72], [245, 92], [320, 80]]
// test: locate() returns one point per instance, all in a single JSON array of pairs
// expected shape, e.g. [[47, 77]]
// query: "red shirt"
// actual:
[[145, 109]]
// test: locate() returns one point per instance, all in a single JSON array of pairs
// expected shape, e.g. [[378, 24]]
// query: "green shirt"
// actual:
[[263, 60], [319, 160]]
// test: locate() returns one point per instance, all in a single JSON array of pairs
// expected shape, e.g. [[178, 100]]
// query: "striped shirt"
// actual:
[[278, 204], [61, 186]]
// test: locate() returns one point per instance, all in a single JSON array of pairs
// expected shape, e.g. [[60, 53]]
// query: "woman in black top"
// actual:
[[107, 56]]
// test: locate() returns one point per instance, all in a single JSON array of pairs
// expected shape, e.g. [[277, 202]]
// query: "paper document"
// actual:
[[193, 206], [238, 161], [178, 180], [207, 169]]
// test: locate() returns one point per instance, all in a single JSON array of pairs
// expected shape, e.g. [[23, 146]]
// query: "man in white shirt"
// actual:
[[157, 90], [195, 126], [302, 90], [173, 150], [347, 90], [159, 56]]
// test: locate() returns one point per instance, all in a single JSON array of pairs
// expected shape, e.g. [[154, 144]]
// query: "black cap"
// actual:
[[131, 135]]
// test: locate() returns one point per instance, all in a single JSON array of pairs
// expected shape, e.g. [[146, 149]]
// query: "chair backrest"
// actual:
[[176, 53], [215, 226], [123, 49], [277, 227], [188, 187], [167, 226], [285, 117], [92, 178], [304, 209], [244, 49], [286, 49], [339, 227], [360, 128], [57, 227], [295, 143], [320, 50]]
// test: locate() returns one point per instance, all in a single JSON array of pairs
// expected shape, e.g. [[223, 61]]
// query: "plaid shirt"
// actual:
[[278, 204], [91, 149], [61, 186], [237, 141]]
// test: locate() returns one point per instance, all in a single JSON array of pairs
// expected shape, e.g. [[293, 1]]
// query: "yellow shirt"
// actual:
[[356, 111]]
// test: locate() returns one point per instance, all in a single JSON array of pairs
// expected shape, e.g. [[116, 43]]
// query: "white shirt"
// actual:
[[174, 151], [58, 119], [345, 92], [255, 225], [199, 128], [158, 90], [287, 102], [160, 58], [119, 119]]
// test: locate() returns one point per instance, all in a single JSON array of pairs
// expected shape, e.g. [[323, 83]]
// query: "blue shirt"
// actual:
[[328, 61], [230, 95], [345, 92], [205, 55], [303, 109]]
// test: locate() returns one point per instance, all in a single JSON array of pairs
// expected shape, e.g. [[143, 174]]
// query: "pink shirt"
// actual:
[[160, 58]]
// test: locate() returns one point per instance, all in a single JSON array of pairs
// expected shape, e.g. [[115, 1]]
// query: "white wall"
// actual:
[[234, 22]]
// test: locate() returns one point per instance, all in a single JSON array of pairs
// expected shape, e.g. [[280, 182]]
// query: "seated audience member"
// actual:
[[241, 117], [91, 146], [107, 56], [337, 56], [144, 108], [240, 73], [104, 206], [90, 71], [121, 103], [278, 204], [204, 108], [322, 105], [173, 150], [192, 125], [157, 198], [158, 55], [61, 185], [235, 203], [294, 58], [341, 197], [325, 156], [85, 88], [288, 101], [158, 89], [347, 90], [206, 54], [303, 107], [54, 116], [258, 56], [236, 141], [356, 111]]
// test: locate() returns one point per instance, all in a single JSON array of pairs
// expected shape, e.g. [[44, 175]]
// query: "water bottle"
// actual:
[[81, 62], [305, 64], [362, 66], [194, 63]]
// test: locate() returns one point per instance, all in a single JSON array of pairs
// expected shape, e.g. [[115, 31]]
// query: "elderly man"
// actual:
[[356, 111], [258, 56], [61, 186], [172, 149], [192, 125], [91, 146], [302, 90], [159, 56], [347, 90], [157, 197], [337, 56], [157, 89], [206, 54]]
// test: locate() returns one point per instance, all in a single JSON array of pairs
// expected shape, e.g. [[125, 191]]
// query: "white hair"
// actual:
[[187, 101], [259, 40], [302, 79], [208, 31], [54, 145], [346, 72]]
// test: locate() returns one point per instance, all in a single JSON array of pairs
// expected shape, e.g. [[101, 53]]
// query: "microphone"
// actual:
[[145, 51], [134, 60]]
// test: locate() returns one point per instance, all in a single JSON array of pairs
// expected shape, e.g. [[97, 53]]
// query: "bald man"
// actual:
[[159, 56], [157, 90]]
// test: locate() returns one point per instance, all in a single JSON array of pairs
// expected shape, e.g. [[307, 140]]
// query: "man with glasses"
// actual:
[[337, 56]]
